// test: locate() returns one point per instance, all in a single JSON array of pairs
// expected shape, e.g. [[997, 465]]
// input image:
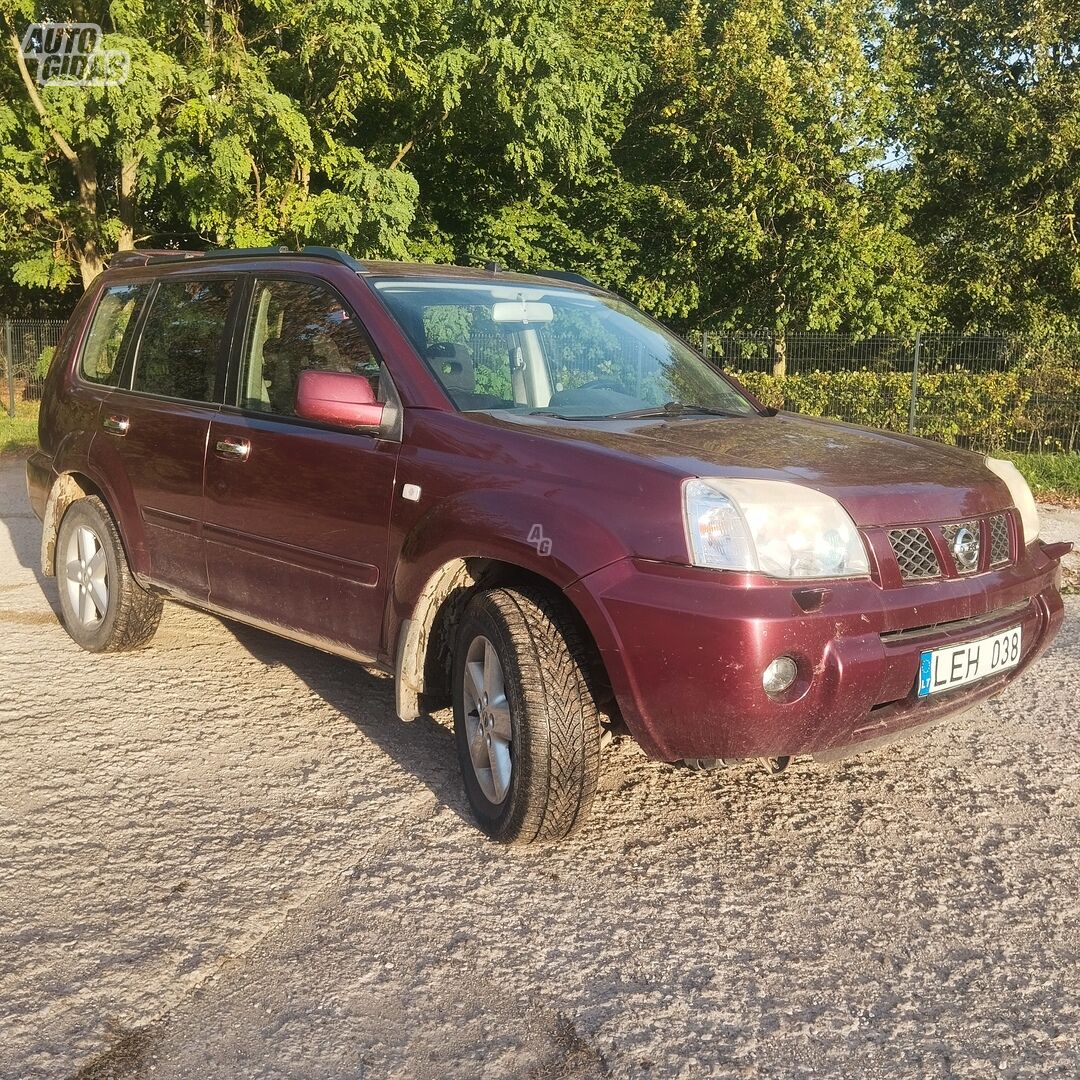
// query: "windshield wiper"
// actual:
[[563, 416], [673, 408]]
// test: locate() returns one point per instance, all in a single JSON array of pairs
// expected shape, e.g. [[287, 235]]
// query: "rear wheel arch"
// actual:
[[66, 489], [425, 640], [75, 484]]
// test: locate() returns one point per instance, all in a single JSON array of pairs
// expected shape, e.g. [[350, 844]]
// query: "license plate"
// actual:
[[957, 665]]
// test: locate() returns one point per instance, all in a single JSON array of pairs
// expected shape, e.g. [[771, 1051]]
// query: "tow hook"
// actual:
[[774, 766]]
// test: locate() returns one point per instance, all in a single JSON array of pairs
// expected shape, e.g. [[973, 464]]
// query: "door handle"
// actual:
[[116, 425], [238, 448]]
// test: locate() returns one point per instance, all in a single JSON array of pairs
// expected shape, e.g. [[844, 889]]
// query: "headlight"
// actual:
[[771, 527], [1020, 494]]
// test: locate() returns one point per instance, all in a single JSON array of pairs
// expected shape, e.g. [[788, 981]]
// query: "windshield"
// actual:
[[558, 351]]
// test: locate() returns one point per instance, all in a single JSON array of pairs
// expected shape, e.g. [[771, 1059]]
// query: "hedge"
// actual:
[[1025, 409]]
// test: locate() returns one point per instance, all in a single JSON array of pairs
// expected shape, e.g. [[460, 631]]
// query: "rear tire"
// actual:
[[102, 606], [526, 722]]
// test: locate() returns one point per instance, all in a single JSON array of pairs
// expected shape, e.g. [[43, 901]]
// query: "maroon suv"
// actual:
[[528, 500]]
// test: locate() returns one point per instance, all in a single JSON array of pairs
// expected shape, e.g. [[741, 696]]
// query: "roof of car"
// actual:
[[369, 268], [387, 268]]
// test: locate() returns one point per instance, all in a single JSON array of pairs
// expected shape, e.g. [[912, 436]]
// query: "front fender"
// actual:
[[555, 542]]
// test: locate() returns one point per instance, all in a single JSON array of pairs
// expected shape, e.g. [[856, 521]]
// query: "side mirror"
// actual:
[[334, 397]]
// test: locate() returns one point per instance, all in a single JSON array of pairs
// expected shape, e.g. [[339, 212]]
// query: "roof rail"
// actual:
[[567, 275], [333, 253], [144, 256], [158, 255]]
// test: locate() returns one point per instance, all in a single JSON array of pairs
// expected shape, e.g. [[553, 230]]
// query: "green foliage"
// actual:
[[18, 434], [750, 154], [991, 124], [1053, 477], [1022, 409], [773, 164], [44, 362]]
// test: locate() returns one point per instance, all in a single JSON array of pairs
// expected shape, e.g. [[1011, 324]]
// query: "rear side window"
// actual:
[[110, 335], [182, 339]]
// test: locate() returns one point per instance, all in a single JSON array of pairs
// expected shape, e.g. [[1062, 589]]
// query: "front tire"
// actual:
[[102, 606], [526, 723]]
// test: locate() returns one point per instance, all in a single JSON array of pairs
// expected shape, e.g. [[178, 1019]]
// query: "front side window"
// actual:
[[183, 339], [569, 353], [296, 326], [110, 333]]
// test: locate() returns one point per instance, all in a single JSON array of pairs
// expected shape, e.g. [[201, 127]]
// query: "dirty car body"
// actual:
[[745, 583]]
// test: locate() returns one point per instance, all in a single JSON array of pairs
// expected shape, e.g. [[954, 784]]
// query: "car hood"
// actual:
[[879, 477]]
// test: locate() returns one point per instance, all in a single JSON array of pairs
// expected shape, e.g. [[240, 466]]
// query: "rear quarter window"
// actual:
[[111, 331]]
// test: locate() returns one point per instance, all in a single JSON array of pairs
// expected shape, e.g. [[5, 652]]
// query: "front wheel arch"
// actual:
[[423, 656]]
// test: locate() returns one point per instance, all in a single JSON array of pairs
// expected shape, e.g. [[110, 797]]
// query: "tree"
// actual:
[[290, 122], [232, 128], [526, 130], [754, 158], [993, 130], [71, 158]]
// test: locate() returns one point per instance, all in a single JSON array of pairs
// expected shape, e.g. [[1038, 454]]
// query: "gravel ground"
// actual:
[[224, 857]]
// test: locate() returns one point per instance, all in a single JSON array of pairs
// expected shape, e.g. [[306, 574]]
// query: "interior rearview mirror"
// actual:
[[521, 311]]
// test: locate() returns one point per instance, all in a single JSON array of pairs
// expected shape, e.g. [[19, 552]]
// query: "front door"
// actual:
[[297, 513]]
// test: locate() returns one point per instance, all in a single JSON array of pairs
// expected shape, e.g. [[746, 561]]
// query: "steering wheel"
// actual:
[[602, 384]]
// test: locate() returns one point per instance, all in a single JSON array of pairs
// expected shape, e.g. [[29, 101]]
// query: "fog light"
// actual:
[[779, 675]]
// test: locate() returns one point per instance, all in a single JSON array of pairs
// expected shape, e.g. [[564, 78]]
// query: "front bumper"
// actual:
[[685, 649]]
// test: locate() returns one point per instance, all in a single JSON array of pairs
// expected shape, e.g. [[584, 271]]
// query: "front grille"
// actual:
[[964, 541], [999, 540], [915, 554]]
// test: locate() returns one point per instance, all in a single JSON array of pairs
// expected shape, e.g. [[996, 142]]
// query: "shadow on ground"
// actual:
[[22, 525], [424, 748]]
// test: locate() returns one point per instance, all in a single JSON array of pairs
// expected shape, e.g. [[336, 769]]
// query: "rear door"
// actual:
[[153, 428], [297, 513]]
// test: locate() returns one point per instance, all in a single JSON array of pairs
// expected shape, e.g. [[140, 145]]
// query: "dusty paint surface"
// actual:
[[223, 856]]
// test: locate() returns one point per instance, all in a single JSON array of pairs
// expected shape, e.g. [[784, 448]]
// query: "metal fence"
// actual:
[[982, 391], [813, 351], [25, 351], [986, 392]]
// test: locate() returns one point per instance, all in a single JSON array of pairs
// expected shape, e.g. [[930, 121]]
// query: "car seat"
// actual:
[[282, 363]]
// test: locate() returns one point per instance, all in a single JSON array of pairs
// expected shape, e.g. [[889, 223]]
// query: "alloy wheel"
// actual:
[[487, 719], [87, 576]]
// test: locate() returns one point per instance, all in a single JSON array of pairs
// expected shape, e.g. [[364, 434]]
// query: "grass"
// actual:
[[18, 435], [1053, 477]]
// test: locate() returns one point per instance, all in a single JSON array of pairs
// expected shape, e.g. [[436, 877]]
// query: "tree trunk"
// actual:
[[779, 367], [91, 258], [128, 170], [88, 251]]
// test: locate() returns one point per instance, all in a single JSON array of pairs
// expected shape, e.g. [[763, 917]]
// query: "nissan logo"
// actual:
[[965, 548]]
